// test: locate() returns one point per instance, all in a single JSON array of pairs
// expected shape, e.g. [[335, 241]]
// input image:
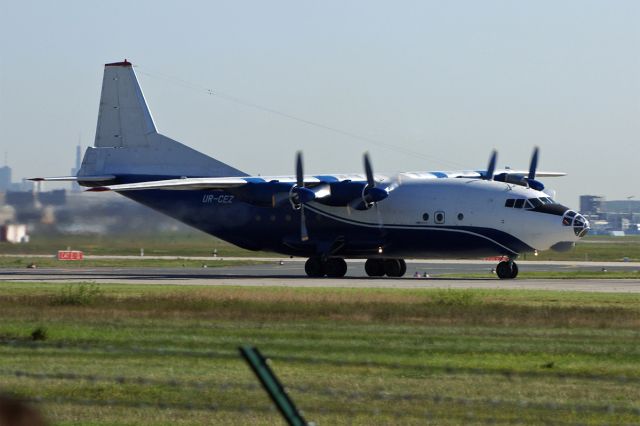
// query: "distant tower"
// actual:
[[78, 157]]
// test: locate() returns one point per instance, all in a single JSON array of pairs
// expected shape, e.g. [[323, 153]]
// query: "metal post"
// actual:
[[272, 385]]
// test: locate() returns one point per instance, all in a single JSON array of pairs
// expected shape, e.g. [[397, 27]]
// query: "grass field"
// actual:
[[188, 243], [556, 275], [52, 262], [114, 354], [598, 248]]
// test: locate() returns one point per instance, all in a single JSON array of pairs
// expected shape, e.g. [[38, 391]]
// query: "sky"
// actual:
[[420, 85]]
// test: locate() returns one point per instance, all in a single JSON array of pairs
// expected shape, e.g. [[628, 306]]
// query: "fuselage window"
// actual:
[[509, 202], [519, 203], [460, 216], [425, 217], [439, 217]]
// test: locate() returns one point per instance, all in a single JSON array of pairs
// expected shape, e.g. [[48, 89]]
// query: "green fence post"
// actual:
[[272, 385]]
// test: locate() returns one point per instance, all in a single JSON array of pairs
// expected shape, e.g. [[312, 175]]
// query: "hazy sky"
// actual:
[[445, 82]]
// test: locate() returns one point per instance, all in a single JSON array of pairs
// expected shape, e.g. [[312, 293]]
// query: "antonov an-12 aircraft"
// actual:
[[327, 218]]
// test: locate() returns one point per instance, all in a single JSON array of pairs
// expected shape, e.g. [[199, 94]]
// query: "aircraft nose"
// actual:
[[579, 223]]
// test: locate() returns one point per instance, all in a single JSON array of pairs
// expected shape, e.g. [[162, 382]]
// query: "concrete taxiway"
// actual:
[[290, 273]]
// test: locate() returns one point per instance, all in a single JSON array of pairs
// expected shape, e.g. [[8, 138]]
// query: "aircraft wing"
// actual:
[[208, 183], [475, 174], [525, 172]]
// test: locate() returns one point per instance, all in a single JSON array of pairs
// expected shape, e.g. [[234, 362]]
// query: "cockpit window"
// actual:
[[531, 203], [535, 202]]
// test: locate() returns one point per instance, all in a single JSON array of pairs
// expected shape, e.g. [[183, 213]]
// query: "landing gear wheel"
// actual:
[[514, 270], [314, 267], [507, 270], [335, 267], [374, 267], [403, 267], [395, 267]]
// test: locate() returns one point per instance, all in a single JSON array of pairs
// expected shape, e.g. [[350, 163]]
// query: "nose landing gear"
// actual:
[[507, 270]]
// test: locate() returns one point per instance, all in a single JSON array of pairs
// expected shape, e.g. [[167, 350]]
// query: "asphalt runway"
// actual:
[[290, 273]]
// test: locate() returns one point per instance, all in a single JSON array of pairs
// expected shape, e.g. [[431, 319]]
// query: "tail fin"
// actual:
[[127, 141]]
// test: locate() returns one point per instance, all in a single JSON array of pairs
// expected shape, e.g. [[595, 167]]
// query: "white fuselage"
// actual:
[[461, 205]]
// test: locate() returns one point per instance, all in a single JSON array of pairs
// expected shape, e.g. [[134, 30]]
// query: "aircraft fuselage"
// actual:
[[435, 218]]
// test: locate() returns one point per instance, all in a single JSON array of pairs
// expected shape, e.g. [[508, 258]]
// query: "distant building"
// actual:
[[615, 217], [5, 178], [25, 185], [14, 233], [57, 197], [628, 207], [591, 205]]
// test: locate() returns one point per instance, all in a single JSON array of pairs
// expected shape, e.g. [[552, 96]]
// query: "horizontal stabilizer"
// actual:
[[103, 178]]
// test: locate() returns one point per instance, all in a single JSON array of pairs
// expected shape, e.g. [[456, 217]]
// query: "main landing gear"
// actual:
[[390, 267], [507, 270], [333, 267], [336, 267]]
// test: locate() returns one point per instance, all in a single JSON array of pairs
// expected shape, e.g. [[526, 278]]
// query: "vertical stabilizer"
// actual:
[[127, 141], [124, 118]]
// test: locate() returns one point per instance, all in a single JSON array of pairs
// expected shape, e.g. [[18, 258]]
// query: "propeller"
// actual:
[[300, 195], [371, 194], [531, 178], [491, 168]]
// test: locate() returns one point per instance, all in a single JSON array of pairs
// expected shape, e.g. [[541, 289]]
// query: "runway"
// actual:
[[290, 273]]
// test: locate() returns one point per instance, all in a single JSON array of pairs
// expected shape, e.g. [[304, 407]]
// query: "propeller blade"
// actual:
[[299, 170], [492, 165], [304, 234], [534, 164], [304, 195], [368, 170]]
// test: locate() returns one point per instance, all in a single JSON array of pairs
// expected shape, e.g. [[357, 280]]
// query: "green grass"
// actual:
[[556, 275], [349, 356], [52, 262], [190, 243], [598, 248]]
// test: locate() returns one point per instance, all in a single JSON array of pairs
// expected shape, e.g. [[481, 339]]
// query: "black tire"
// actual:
[[314, 267], [514, 270], [504, 270], [393, 268], [403, 267], [374, 267], [335, 267]]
